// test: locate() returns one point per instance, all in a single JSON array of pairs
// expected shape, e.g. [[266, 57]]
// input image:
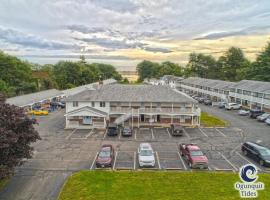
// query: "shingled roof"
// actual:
[[254, 86], [132, 93]]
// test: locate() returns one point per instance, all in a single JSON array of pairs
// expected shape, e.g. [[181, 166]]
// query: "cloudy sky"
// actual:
[[124, 32]]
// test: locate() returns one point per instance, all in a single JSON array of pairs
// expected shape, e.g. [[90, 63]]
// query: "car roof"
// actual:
[[192, 147], [256, 145], [104, 146]]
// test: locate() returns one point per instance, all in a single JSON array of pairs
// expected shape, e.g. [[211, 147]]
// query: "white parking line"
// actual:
[[135, 134], [168, 132], [221, 133], [186, 133], [105, 134], [115, 158], [119, 135], [180, 157], [134, 165], [158, 160], [152, 133], [89, 134], [235, 168], [203, 132], [94, 161], [247, 160], [71, 134]]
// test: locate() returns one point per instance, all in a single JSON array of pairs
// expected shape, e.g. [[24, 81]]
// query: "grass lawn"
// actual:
[[212, 121], [131, 185], [3, 183]]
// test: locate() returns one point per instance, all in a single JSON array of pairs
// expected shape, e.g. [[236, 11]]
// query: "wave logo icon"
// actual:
[[248, 173]]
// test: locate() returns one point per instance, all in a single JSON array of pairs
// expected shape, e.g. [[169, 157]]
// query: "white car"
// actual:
[[146, 155], [243, 112], [267, 121], [232, 106]]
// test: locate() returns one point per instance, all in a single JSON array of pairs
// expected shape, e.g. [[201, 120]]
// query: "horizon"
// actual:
[[123, 33]]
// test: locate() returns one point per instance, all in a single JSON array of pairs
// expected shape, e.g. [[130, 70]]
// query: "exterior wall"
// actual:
[[69, 106], [77, 122]]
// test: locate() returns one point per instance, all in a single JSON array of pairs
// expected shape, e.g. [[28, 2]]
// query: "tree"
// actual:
[[147, 69], [16, 135], [260, 69]]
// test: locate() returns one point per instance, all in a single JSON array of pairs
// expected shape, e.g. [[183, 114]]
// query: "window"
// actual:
[[102, 104], [75, 103], [93, 104]]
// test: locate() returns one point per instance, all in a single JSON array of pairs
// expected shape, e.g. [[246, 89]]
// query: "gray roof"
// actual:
[[132, 93], [76, 90], [29, 99], [254, 86], [216, 84]]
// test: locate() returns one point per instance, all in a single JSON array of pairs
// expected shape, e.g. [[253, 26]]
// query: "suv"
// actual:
[[146, 155], [254, 113], [257, 152], [176, 129], [112, 129], [232, 106], [105, 157], [194, 156]]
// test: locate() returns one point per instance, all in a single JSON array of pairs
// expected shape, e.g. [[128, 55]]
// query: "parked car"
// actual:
[[200, 99], [221, 104], [243, 112], [254, 113], [176, 130], [267, 121], [257, 152], [112, 129], [127, 131], [207, 102], [263, 117], [194, 156], [232, 106], [39, 112], [105, 157], [146, 155]]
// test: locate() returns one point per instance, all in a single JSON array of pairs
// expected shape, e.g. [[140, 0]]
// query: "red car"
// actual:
[[105, 157], [194, 156]]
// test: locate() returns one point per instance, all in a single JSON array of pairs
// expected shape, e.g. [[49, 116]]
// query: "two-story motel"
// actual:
[[135, 105]]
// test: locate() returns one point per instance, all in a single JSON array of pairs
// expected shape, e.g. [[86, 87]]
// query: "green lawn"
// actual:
[[131, 185], [208, 120], [3, 183]]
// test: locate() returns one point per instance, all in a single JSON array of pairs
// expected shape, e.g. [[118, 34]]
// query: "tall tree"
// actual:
[[260, 69], [16, 135]]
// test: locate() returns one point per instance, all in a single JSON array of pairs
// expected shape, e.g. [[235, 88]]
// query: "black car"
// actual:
[[176, 129], [112, 129], [254, 113], [207, 102], [257, 152], [127, 131]]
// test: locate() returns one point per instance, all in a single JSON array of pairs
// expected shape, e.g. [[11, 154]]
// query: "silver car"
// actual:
[[146, 155]]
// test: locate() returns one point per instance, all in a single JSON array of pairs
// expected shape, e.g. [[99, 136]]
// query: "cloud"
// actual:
[[26, 40], [117, 5], [156, 49]]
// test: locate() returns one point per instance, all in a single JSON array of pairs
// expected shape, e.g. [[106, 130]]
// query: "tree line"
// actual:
[[231, 66], [19, 77]]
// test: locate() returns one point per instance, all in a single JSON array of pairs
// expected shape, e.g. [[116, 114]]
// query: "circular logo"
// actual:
[[248, 173]]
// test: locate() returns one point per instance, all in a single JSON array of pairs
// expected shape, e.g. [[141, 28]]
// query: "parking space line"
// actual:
[[152, 133], [235, 168], [134, 160], [247, 160], [186, 133], [168, 132], [203, 132], [116, 153], [119, 136], [105, 134], [135, 135], [158, 160], [221, 132], [180, 157], [92, 165], [89, 134], [71, 134]]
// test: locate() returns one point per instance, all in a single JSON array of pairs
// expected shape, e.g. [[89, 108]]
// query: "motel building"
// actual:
[[133, 105]]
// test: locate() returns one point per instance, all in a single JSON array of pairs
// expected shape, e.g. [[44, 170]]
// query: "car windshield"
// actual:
[[265, 115], [146, 153], [265, 152], [104, 154], [196, 153]]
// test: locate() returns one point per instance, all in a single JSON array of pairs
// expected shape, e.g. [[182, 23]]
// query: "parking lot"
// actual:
[[62, 152]]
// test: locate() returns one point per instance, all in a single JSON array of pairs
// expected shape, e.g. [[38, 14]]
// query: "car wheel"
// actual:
[[245, 152], [261, 162]]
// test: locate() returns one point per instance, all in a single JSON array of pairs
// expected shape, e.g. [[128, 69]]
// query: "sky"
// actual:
[[125, 32]]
